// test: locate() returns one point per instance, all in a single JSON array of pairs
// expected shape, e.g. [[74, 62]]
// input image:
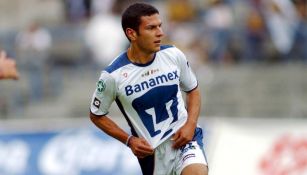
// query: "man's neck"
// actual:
[[136, 55]]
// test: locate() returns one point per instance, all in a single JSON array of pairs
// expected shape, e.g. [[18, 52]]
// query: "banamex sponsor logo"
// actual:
[[152, 82]]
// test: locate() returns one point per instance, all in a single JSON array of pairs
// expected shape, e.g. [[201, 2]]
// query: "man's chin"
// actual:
[[158, 48]]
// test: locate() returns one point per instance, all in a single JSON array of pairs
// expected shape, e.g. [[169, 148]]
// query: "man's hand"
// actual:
[[140, 147], [8, 68], [183, 135]]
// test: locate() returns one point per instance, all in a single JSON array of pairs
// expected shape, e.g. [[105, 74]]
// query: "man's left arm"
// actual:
[[186, 132]]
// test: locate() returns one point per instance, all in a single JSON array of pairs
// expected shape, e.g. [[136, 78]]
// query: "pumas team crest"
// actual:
[[101, 86]]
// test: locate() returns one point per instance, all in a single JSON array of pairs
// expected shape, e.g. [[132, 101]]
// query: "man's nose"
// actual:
[[160, 32]]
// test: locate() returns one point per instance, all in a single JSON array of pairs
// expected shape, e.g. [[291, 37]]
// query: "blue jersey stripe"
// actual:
[[147, 163], [120, 61], [123, 60], [121, 108], [165, 47]]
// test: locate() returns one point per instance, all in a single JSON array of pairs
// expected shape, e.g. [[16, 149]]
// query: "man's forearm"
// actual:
[[193, 106], [109, 127]]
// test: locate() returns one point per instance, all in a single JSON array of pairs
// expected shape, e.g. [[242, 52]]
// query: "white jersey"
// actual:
[[149, 95]]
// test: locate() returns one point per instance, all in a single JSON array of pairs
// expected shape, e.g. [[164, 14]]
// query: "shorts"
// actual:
[[169, 161]]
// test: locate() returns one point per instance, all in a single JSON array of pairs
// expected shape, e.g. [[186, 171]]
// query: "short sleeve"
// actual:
[[188, 79], [104, 94]]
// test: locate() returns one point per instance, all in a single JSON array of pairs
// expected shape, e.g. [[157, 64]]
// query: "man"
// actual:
[[8, 68], [146, 83], [33, 49]]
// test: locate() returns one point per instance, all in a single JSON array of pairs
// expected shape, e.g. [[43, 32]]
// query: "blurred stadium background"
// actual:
[[250, 57]]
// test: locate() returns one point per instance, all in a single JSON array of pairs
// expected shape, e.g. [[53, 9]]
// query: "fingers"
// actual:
[[180, 139], [146, 147], [175, 136], [140, 147], [142, 154], [179, 142], [2, 54], [11, 70], [8, 67]]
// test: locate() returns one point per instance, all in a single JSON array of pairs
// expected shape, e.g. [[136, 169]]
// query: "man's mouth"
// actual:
[[158, 42]]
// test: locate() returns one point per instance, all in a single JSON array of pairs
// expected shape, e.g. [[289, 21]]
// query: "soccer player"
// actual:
[[146, 82], [8, 68]]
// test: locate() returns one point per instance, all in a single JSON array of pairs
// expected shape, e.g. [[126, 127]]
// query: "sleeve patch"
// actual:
[[97, 103], [101, 86]]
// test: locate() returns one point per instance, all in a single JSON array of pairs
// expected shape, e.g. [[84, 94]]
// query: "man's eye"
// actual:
[[151, 27]]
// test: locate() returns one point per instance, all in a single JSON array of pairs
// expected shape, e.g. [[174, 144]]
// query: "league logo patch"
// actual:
[[101, 86], [186, 148], [96, 102]]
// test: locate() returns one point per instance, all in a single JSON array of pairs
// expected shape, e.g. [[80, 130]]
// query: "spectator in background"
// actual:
[[8, 68], [101, 6], [180, 10], [104, 35], [282, 21], [183, 30], [219, 19], [78, 10], [33, 46], [255, 37], [299, 50]]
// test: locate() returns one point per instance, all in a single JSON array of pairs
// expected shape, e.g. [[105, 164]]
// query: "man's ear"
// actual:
[[131, 34]]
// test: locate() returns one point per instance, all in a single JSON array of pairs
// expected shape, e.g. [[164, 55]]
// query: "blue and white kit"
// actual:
[[148, 95]]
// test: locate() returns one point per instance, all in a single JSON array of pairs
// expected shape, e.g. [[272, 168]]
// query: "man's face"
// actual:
[[150, 33]]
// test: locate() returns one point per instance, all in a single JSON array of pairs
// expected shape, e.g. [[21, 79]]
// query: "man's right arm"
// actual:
[[102, 99], [108, 126], [139, 146]]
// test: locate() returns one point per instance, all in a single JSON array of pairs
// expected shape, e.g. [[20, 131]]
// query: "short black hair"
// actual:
[[131, 18]]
